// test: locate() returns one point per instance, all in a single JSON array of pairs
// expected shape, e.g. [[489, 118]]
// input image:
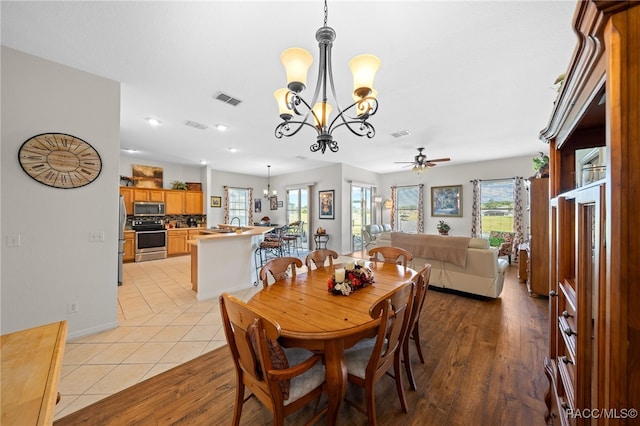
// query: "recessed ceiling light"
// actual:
[[221, 127], [203, 162], [153, 121], [232, 149], [130, 150]]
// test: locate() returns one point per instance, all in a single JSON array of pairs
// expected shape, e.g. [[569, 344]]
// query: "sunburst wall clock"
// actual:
[[60, 160]]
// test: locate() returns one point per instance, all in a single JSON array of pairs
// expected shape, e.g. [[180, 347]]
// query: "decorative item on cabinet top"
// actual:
[[147, 176]]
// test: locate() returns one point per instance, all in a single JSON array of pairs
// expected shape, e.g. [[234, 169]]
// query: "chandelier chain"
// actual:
[[326, 12]]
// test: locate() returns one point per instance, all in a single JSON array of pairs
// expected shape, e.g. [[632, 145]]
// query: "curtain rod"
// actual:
[[491, 180]]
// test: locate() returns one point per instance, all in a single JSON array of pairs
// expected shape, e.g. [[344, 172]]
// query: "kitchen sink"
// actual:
[[219, 230]]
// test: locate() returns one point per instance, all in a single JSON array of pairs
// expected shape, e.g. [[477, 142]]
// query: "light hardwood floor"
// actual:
[[483, 366]]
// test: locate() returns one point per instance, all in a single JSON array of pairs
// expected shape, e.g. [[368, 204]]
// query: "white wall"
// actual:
[[55, 264], [170, 172], [455, 175]]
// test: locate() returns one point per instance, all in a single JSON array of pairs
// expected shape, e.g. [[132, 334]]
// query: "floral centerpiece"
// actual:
[[354, 276]]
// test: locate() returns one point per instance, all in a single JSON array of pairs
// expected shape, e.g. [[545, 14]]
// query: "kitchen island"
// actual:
[[222, 259]]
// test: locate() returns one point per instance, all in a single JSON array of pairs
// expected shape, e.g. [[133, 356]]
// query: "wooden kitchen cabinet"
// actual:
[[127, 193], [177, 241], [129, 246], [174, 202], [177, 202], [191, 236], [193, 203], [146, 194]]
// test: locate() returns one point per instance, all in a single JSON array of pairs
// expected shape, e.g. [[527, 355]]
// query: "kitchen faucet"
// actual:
[[232, 219]]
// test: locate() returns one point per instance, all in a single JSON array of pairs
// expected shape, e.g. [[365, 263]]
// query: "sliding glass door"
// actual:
[[360, 214], [298, 210]]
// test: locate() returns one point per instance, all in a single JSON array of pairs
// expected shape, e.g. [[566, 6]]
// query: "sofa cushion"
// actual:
[[479, 243]]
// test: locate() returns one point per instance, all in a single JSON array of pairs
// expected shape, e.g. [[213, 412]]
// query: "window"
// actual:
[[298, 210], [497, 203], [407, 208], [360, 213], [239, 205]]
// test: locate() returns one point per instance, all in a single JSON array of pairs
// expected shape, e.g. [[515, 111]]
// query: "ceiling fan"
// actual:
[[420, 161]]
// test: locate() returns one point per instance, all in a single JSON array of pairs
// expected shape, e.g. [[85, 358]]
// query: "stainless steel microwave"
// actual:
[[148, 208]]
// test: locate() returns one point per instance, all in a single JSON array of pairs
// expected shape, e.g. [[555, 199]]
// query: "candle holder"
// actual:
[[352, 277]]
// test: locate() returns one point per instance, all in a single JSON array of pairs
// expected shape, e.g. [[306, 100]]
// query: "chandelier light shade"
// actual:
[[267, 192], [297, 62], [316, 113]]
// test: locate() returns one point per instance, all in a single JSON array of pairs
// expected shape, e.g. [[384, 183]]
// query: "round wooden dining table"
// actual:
[[313, 318]]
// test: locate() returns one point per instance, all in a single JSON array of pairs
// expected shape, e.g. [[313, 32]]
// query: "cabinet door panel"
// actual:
[[174, 202], [193, 202]]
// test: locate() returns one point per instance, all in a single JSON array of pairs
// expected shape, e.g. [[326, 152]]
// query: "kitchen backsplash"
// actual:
[[178, 221]]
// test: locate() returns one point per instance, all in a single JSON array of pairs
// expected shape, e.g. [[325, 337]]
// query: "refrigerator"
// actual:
[[122, 220]]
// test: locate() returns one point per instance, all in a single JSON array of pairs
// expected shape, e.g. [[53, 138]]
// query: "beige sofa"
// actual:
[[476, 269]]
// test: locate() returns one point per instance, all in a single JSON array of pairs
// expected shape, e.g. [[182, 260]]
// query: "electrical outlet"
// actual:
[[13, 240], [96, 237], [72, 308]]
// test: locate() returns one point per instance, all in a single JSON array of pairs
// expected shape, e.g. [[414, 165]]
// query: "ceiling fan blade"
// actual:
[[437, 160], [404, 162], [429, 164]]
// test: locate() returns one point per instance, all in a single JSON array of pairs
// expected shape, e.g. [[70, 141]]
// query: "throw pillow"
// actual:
[[276, 353]]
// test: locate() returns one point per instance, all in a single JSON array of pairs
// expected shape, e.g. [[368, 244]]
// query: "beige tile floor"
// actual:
[[161, 325]]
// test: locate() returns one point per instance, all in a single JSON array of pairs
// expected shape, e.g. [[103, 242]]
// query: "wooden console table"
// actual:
[[523, 262], [31, 365], [321, 241]]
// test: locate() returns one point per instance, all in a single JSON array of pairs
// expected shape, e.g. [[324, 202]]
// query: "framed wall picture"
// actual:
[[327, 205], [446, 200], [280, 204], [273, 202], [216, 201], [257, 205], [147, 176]]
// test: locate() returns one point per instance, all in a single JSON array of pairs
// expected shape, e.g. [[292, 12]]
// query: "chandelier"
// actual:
[[316, 114], [267, 192]]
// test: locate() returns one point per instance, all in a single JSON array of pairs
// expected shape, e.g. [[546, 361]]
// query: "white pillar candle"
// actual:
[[349, 266], [339, 275], [360, 262]]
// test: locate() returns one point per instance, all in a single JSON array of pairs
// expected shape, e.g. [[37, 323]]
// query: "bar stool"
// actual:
[[270, 247]]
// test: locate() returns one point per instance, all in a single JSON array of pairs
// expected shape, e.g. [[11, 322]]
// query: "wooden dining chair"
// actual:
[[319, 257], [413, 328], [371, 359], [389, 254], [278, 268], [284, 380]]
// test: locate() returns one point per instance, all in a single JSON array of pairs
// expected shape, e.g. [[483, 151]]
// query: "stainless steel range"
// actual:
[[151, 239]]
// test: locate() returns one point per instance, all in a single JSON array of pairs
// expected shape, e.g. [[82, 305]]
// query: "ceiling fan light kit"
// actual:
[[421, 163], [316, 114]]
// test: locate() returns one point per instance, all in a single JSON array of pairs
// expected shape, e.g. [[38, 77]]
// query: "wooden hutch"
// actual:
[[594, 135]]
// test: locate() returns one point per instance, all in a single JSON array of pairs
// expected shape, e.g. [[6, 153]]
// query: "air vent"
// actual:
[[401, 133], [227, 99], [195, 125]]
